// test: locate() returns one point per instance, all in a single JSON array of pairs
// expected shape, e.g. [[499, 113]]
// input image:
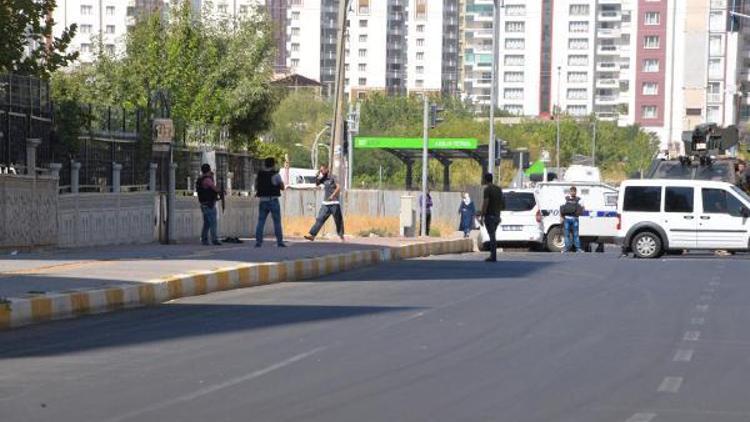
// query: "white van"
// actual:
[[300, 178], [520, 224], [657, 216], [598, 224]]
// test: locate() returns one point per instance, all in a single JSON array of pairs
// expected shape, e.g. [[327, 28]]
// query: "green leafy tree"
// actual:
[[297, 120], [26, 42]]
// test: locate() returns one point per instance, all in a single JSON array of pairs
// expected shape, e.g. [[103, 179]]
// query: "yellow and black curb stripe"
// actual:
[[15, 312]]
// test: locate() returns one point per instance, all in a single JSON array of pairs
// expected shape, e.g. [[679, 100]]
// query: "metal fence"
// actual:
[[25, 113]]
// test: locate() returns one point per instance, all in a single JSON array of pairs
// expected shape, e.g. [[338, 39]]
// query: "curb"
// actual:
[[16, 312]]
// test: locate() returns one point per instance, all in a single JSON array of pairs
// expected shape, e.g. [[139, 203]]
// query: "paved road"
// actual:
[[536, 337]]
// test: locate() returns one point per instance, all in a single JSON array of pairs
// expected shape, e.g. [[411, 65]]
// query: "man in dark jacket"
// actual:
[[492, 205], [569, 212], [208, 194], [331, 205], [268, 187]]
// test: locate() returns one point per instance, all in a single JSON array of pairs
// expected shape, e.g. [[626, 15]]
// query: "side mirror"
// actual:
[[745, 212]]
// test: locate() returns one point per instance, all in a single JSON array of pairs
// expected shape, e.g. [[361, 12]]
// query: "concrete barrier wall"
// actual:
[[28, 209], [238, 219], [374, 203], [97, 219]]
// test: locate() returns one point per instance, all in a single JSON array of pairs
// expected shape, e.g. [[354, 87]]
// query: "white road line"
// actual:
[[642, 417], [692, 336], [670, 385], [706, 298], [214, 388], [683, 355], [697, 321], [701, 308]]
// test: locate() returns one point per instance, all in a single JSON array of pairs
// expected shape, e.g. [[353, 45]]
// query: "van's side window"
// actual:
[[677, 199], [719, 201], [642, 198]]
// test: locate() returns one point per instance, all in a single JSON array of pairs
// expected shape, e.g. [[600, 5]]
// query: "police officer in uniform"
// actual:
[[268, 187]]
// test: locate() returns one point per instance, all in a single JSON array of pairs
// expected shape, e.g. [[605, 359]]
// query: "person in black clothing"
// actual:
[[569, 212], [268, 187], [492, 205], [208, 194], [331, 205]]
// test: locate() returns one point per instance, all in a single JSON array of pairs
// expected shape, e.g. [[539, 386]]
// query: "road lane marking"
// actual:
[[701, 308], [216, 387], [706, 298], [692, 336], [683, 355], [698, 321], [642, 417], [670, 385]]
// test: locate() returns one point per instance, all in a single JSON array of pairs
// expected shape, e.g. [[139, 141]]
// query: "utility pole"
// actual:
[[557, 120], [425, 146], [493, 100], [337, 129], [593, 144]]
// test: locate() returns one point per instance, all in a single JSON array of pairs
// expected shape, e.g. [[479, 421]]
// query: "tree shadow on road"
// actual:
[[167, 322]]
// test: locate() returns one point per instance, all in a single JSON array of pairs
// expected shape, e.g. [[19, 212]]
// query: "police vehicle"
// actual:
[[520, 221], [598, 224]]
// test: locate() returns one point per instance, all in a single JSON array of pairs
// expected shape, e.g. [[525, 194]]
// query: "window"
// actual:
[[642, 199], [577, 94], [713, 114], [514, 26], [420, 28], [719, 201], [419, 83], [715, 45], [110, 10], [578, 44], [110, 49], [295, 63], [519, 201], [651, 65], [716, 22], [364, 7], [420, 70], [513, 93], [86, 29], [363, 38], [650, 88], [651, 41], [515, 10], [579, 10], [678, 199], [578, 26], [577, 110], [223, 8], [87, 10], [648, 112], [514, 60], [362, 67], [85, 48], [420, 42], [420, 55], [295, 47], [295, 15], [651, 18], [514, 109], [578, 60], [363, 23], [578, 77], [110, 29], [362, 52], [515, 44], [295, 31], [715, 69], [513, 77], [243, 10], [362, 81]]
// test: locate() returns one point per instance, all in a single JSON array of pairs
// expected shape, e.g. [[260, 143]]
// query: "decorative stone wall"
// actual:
[[94, 219], [28, 207], [238, 218]]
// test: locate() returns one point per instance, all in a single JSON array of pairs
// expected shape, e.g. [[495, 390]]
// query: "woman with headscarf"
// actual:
[[468, 213]]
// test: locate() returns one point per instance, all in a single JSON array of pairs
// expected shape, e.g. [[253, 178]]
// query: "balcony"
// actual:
[[713, 97], [607, 99], [608, 33], [608, 83], [608, 50], [607, 67], [610, 16]]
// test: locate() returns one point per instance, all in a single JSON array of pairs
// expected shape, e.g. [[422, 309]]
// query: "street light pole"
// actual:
[[425, 146], [314, 152], [557, 120], [337, 129], [593, 144], [493, 100]]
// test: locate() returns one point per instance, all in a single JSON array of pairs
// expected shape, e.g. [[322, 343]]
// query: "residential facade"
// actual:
[[105, 20]]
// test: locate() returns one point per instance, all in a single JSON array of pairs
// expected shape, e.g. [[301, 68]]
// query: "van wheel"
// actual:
[[646, 245], [555, 241]]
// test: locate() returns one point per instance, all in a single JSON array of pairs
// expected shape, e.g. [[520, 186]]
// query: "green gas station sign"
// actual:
[[370, 142]]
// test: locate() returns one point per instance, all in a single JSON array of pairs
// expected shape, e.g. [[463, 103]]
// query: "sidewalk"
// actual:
[[65, 283]]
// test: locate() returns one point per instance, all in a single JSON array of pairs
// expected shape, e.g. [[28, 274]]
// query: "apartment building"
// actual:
[[392, 46], [104, 20]]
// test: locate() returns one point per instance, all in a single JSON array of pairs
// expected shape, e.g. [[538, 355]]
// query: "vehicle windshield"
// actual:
[[519, 201]]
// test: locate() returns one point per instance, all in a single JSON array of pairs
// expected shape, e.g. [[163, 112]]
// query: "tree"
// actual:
[[26, 43], [297, 120]]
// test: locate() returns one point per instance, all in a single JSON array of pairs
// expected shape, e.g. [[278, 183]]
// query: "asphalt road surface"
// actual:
[[535, 337]]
